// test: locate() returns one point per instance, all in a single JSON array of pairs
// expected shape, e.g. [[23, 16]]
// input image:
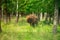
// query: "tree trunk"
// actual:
[[17, 17], [17, 14], [6, 16], [45, 15], [5, 11], [41, 16], [59, 17], [38, 17], [55, 20], [2, 13], [49, 18], [0, 20], [9, 17], [46, 19], [12, 14]]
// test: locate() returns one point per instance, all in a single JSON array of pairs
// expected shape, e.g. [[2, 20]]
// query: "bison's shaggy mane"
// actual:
[[32, 19]]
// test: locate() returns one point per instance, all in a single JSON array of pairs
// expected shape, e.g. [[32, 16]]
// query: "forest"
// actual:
[[29, 19]]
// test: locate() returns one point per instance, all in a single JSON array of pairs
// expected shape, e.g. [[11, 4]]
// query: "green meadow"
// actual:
[[23, 31]]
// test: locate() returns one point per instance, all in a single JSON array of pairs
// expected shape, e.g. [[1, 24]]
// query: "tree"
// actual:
[[8, 8], [0, 14], [59, 12], [55, 19], [59, 16]]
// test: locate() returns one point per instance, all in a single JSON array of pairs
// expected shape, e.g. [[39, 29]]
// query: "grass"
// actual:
[[23, 31]]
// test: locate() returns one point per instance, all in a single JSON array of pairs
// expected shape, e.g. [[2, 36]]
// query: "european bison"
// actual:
[[32, 19]]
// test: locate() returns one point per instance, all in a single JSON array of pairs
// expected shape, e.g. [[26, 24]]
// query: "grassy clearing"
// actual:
[[23, 31]]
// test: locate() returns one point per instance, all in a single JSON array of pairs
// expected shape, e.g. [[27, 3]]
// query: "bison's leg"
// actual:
[[30, 24], [33, 24]]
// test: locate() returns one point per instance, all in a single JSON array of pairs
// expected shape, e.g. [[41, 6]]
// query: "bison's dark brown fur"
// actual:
[[32, 19]]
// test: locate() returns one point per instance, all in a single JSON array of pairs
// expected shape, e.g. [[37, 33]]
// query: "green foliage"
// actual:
[[29, 6]]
